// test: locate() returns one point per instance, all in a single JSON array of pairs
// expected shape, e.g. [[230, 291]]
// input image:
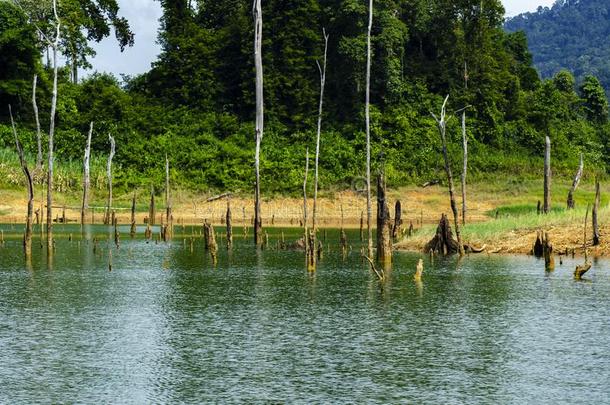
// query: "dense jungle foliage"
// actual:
[[197, 102], [573, 35]]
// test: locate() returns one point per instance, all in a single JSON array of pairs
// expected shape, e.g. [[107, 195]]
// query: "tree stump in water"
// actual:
[[544, 248], [384, 224], [443, 242]]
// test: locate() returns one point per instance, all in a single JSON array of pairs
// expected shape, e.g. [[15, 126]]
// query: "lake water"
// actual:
[[166, 326]]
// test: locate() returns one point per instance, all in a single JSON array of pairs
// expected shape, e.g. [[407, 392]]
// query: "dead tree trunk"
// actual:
[[464, 150], [546, 207], [397, 228], [229, 225], [384, 225], [169, 230], [443, 242], [37, 119], [442, 128], [309, 250], [27, 238], [594, 214], [586, 266], [258, 63], [86, 176], [151, 208], [575, 183], [132, 231], [367, 115], [322, 71], [55, 47], [109, 174]]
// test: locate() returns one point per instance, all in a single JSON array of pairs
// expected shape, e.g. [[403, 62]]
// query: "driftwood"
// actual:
[[443, 242], [546, 207], [27, 237], [577, 177], [258, 63], [378, 272], [594, 214], [384, 224], [367, 114], [86, 175], [442, 128]]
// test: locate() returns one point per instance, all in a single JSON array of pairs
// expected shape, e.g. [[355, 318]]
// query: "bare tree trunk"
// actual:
[[54, 46], [397, 228], [367, 114], [132, 231], [546, 208], [151, 208], [109, 174], [258, 62], [322, 71], [229, 225], [577, 177], [37, 118], [442, 128], [169, 231], [86, 176], [465, 150], [27, 238], [595, 212], [384, 239]]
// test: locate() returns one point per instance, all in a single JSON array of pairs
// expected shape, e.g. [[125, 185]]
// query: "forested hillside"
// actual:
[[197, 102], [572, 34]]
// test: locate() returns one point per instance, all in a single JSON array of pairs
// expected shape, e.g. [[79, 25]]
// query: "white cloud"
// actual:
[[514, 7]]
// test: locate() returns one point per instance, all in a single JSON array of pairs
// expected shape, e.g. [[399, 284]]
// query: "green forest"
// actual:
[[573, 35], [196, 104]]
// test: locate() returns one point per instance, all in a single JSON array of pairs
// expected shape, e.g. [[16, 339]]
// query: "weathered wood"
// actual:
[[229, 225], [595, 212], [169, 230], [258, 63], [464, 150], [544, 248], [50, 164], [367, 114], [86, 175], [27, 237], [384, 224], [109, 176], [151, 208], [546, 207], [442, 128], [443, 242], [218, 197], [322, 71], [586, 266], [577, 177], [132, 230], [37, 119], [419, 271], [397, 228]]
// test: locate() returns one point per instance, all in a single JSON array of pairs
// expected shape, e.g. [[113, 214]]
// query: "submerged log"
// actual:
[[443, 242]]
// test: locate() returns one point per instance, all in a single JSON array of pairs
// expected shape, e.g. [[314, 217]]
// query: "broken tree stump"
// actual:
[[397, 229], [443, 242]]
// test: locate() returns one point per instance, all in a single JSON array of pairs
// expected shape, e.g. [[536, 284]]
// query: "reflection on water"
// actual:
[[167, 326]]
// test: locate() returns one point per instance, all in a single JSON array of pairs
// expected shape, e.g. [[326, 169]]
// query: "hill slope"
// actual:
[[572, 34]]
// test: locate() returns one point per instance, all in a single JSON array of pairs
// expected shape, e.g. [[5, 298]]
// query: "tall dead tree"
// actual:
[[367, 114], [132, 231], [37, 119], [151, 208], [594, 213], [322, 71], [397, 228], [86, 176], [464, 150], [258, 63], [55, 48], [109, 174], [546, 205], [384, 225], [27, 238], [442, 129], [229, 224], [169, 231], [577, 177]]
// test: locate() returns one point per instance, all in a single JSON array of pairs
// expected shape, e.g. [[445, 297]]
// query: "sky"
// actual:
[[143, 15]]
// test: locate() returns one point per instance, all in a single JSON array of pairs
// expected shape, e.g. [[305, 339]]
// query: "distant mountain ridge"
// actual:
[[572, 34]]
